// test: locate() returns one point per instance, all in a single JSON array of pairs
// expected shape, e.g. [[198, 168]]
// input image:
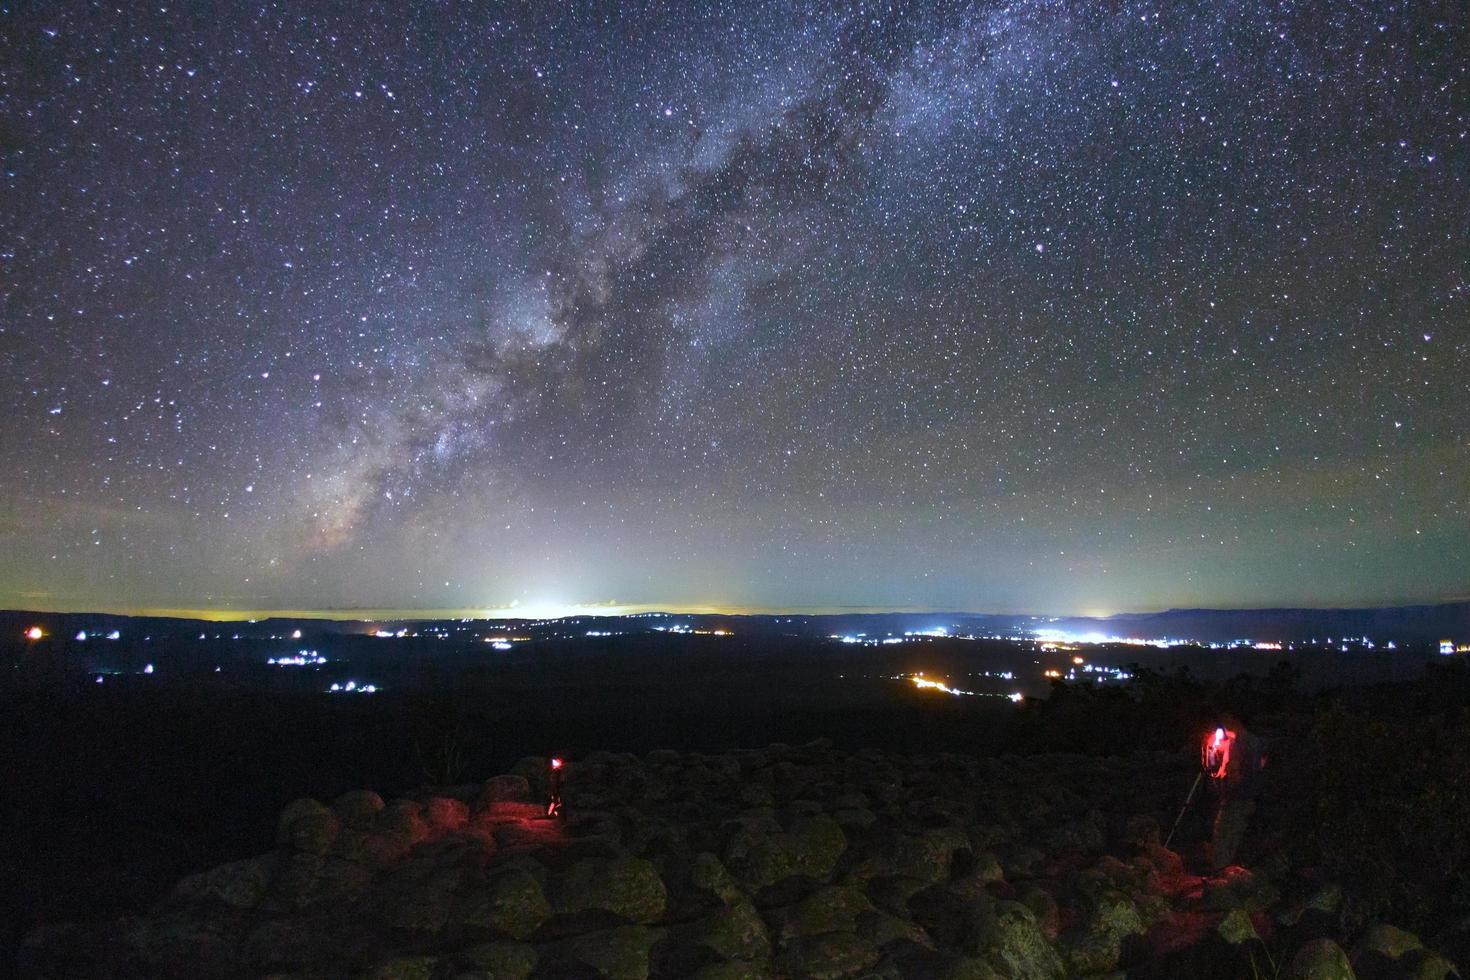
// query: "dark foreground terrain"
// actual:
[[889, 831], [779, 862]]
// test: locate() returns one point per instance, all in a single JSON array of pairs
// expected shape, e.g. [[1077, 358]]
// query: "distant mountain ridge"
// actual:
[[1421, 623], [1403, 624]]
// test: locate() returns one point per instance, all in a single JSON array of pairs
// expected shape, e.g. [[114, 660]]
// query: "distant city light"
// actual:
[[148, 669], [35, 633], [920, 681], [303, 658], [295, 634], [115, 635], [1057, 636], [81, 636]]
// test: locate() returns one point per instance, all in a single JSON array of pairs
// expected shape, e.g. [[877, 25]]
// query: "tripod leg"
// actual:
[[1187, 800]]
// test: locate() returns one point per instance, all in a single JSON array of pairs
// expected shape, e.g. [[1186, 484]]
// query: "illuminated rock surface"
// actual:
[[781, 862]]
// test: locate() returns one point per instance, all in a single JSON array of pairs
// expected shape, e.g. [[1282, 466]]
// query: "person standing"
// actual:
[[555, 770], [1237, 758]]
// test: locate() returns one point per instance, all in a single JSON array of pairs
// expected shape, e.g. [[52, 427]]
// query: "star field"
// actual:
[[1041, 306]]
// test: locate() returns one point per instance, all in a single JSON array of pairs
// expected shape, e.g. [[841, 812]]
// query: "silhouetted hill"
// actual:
[[1419, 624]]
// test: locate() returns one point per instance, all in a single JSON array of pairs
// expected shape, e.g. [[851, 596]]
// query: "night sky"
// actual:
[[1041, 306]]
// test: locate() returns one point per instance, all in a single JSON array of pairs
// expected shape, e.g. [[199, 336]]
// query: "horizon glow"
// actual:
[[1046, 307]]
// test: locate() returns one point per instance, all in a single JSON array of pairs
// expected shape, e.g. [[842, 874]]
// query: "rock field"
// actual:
[[780, 862]]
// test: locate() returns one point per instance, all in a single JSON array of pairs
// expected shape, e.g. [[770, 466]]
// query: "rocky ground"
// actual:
[[780, 862]]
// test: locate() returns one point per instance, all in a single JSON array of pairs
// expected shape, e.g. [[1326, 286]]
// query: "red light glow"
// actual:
[[1217, 752], [556, 763]]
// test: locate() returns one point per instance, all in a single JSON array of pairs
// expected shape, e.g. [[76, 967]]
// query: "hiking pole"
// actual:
[[1187, 800]]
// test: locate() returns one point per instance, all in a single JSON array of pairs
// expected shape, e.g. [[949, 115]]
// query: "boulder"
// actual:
[[616, 954], [1044, 906], [308, 826], [755, 795], [239, 884], [339, 880], [1013, 942], [971, 968], [817, 843], [419, 898], [1019, 861], [403, 821], [377, 850], [294, 885], [169, 941], [708, 874], [834, 908], [952, 919], [501, 961], [929, 854], [405, 968], [735, 932], [1098, 944], [830, 956], [730, 970], [510, 903], [627, 887], [357, 809], [935, 965], [882, 930], [593, 831], [1323, 903], [1388, 941], [1424, 964], [890, 894], [1237, 888], [855, 817], [281, 944], [1236, 928], [1321, 959], [444, 813], [975, 873], [1167, 863], [532, 769], [505, 788], [760, 855]]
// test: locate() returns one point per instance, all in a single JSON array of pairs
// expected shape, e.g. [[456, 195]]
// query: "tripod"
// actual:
[[1198, 778]]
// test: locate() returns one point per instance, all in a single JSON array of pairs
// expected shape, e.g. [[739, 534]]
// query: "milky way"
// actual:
[[1046, 306]]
